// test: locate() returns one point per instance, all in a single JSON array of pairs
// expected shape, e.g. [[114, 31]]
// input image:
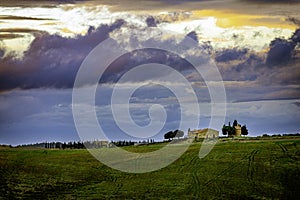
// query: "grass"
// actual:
[[262, 169]]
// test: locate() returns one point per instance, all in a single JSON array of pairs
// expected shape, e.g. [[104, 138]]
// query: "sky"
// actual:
[[253, 45]]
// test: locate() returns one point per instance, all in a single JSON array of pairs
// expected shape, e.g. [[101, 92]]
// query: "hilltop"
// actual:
[[232, 170]]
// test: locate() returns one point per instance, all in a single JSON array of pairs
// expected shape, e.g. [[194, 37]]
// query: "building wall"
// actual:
[[203, 133], [238, 130]]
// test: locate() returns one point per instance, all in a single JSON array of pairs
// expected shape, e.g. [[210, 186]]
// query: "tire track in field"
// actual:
[[250, 169], [195, 178], [285, 151], [196, 184], [193, 161], [283, 148], [194, 187], [225, 171]]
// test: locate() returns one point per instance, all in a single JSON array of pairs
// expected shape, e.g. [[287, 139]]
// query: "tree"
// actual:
[[166, 136], [228, 130], [172, 134], [232, 130], [244, 130], [234, 123], [178, 133], [224, 130], [169, 135]]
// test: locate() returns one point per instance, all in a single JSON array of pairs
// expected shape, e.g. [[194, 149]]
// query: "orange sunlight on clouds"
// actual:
[[227, 19]]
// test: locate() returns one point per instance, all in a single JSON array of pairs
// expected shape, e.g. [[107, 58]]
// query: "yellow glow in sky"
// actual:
[[227, 19]]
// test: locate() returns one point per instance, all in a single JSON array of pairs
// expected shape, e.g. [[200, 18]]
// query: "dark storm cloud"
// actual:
[[253, 78], [279, 66], [282, 50], [51, 60], [193, 36], [2, 52], [140, 57], [230, 54], [151, 21], [253, 69], [246, 68], [296, 37]]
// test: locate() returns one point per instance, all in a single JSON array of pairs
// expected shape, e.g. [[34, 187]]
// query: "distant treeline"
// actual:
[[55, 145], [130, 143], [86, 144], [279, 135], [100, 144]]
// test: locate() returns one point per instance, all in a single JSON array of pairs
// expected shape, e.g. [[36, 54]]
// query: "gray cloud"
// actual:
[[279, 66], [294, 20], [230, 54], [51, 60], [280, 52], [151, 21], [193, 36], [2, 52], [252, 76]]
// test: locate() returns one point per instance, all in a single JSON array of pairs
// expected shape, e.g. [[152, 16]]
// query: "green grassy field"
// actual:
[[263, 169]]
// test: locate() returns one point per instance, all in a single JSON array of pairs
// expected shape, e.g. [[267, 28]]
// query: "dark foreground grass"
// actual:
[[233, 170]]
